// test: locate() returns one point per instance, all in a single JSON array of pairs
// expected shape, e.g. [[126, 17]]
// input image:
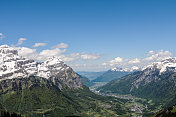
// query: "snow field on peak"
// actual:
[[14, 66]]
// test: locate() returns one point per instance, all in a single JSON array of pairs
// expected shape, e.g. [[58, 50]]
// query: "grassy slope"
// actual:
[[169, 112], [4, 113], [43, 99], [119, 86]]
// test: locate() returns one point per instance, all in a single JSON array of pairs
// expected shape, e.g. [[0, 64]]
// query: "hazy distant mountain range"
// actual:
[[85, 80], [91, 75], [114, 73]]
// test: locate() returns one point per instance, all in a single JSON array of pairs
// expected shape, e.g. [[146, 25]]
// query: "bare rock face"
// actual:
[[19, 68], [17, 84], [55, 70], [154, 71]]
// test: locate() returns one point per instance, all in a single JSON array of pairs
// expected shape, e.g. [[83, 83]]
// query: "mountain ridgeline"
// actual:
[[111, 75], [85, 80], [49, 88], [156, 82], [90, 75]]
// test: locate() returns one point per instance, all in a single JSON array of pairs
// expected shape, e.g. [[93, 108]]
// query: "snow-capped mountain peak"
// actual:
[[153, 71], [53, 60], [118, 69], [162, 66], [7, 53], [134, 68], [5, 49], [14, 66], [51, 67]]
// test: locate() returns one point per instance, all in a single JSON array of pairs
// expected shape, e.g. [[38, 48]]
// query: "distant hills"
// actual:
[[110, 75], [113, 74], [85, 80], [90, 75]]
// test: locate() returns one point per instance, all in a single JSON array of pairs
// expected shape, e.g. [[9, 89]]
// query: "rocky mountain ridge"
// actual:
[[14, 66], [153, 71]]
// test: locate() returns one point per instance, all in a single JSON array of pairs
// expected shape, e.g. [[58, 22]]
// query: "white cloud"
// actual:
[[20, 41], [43, 55], [39, 44], [151, 56], [53, 52], [134, 68], [56, 51], [87, 67], [115, 61], [26, 52], [157, 56], [83, 56], [104, 64], [23, 51], [60, 53], [71, 57], [79, 65], [1, 36], [89, 56], [151, 52], [61, 45], [134, 61]]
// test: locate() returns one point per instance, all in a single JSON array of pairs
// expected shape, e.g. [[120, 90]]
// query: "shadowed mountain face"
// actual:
[[85, 81], [168, 112], [36, 96]]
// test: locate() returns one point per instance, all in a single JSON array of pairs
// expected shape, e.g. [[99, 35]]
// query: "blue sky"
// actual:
[[127, 29]]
